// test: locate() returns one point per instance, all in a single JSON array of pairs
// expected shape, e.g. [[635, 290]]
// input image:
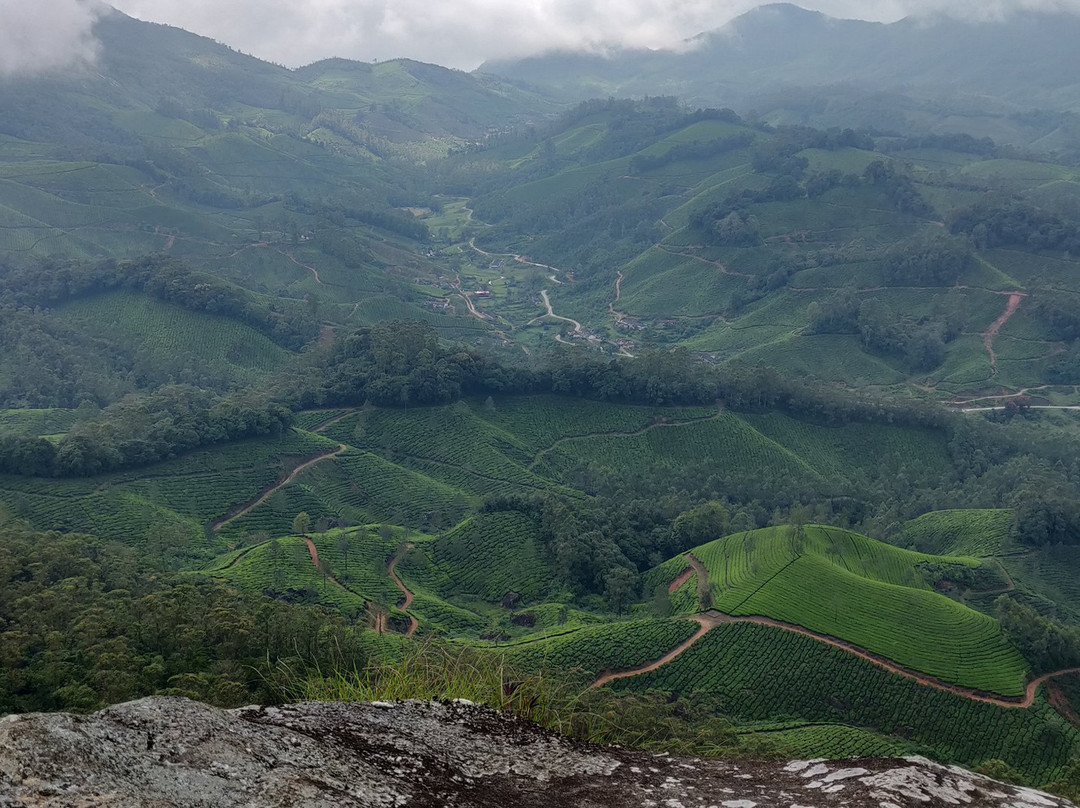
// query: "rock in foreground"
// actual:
[[164, 752]]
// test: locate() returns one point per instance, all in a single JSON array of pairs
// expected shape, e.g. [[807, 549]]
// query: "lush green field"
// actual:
[[361, 487], [182, 495], [489, 556], [353, 569], [978, 533], [767, 674], [590, 651], [168, 335], [37, 422], [835, 741], [868, 593]]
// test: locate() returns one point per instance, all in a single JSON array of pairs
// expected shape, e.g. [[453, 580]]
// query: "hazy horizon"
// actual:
[[53, 34]]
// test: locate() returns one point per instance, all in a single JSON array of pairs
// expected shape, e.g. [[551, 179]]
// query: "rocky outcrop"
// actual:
[[164, 752]]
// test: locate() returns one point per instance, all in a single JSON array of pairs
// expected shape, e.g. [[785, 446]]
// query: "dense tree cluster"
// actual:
[[141, 430], [695, 150], [962, 143], [936, 260], [84, 623], [899, 188], [1045, 643], [995, 221], [48, 284], [920, 343]]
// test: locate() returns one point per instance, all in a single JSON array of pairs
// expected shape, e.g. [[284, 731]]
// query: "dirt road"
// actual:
[[406, 601], [992, 332], [217, 524]]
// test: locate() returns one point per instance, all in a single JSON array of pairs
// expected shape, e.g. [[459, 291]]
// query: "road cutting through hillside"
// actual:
[[551, 313], [992, 332], [712, 618], [684, 576], [723, 269], [217, 524], [618, 315], [706, 625], [313, 551], [406, 602]]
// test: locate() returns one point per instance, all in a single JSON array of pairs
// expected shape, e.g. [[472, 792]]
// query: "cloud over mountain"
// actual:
[[46, 35], [456, 33]]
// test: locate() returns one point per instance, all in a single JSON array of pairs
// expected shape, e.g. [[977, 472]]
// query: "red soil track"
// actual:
[[708, 620], [217, 524], [319, 427], [684, 576], [992, 332], [706, 624], [1060, 702], [406, 601], [314, 552]]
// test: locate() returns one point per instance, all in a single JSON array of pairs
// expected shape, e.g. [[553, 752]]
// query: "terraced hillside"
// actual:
[[867, 593], [765, 674]]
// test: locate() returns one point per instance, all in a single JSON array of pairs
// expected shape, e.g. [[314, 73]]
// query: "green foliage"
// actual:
[[191, 491], [492, 556], [1045, 643], [139, 432], [926, 261], [590, 651], [977, 533], [434, 671], [767, 674], [871, 594], [88, 623]]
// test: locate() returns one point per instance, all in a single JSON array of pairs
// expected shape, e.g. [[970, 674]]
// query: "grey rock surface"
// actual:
[[166, 752]]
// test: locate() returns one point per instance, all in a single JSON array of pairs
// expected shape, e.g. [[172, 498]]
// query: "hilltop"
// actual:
[[936, 74]]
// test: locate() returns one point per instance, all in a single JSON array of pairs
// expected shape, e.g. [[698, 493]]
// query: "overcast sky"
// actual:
[[49, 34]]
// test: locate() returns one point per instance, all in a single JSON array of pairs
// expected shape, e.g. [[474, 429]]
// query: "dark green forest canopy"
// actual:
[[87, 623]]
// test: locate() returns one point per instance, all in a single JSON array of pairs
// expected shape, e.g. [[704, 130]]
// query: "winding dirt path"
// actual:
[[309, 268], [313, 551], [319, 427], [723, 269], [551, 313], [1030, 407], [406, 601], [618, 315], [1060, 702], [219, 523], [475, 312], [701, 571], [992, 332], [706, 624], [684, 576], [710, 619]]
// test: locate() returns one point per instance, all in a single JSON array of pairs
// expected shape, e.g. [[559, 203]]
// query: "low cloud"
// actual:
[[464, 33], [46, 35], [457, 33]]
